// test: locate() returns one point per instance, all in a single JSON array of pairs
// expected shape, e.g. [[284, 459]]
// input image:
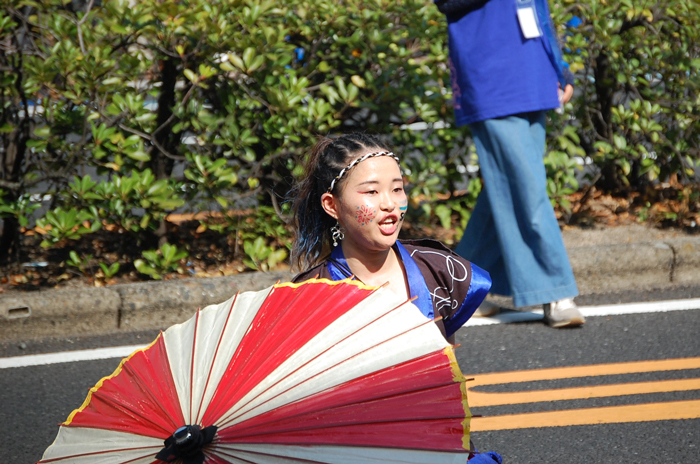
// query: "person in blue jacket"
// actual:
[[506, 72]]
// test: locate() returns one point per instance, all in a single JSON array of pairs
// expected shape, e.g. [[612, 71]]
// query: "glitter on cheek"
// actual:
[[365, 214]]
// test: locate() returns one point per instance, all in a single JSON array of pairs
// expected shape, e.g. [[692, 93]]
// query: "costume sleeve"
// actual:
[[479, 286], [550, 33], [568, 76], [457, 287]]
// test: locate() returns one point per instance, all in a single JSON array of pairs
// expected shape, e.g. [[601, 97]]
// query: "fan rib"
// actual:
[[108, 401], [109, 390], [213, 361], [99, 453], [228, 420], [194, 349], [383, 434], [321, 423], [155, 401], [169, 368], [236, 459], [238, 366], [227, 453], [209, 413], [101, 381], [224, 420], [382, 382], [285, 452]]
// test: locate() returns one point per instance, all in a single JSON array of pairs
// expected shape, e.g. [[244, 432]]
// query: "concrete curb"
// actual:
[[636, 266], [127, 307], [619, 267], [686, 255], [600, 268]]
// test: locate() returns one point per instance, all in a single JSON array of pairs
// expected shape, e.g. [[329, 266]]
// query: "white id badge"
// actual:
[[528, 22]]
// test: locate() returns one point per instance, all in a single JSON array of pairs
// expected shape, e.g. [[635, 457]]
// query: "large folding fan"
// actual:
[[317, 372]]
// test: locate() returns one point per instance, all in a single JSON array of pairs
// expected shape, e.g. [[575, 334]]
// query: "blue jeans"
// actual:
[[513, 233]]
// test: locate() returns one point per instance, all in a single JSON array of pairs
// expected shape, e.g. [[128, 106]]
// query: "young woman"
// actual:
[[349, 210]]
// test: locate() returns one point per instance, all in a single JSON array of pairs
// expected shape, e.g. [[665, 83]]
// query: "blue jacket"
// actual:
[[495, 71]]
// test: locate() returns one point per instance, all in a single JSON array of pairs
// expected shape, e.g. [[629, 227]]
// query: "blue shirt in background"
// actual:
[[495, 71]]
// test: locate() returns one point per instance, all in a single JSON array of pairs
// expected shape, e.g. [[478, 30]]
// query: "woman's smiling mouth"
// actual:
[[388, 225]]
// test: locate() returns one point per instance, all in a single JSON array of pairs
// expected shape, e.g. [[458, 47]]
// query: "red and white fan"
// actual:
[[317, 372]]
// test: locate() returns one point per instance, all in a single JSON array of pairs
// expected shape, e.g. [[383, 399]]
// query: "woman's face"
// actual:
[[371, 205]]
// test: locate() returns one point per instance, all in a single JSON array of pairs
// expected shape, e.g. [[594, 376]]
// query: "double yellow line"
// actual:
[[604, 415]]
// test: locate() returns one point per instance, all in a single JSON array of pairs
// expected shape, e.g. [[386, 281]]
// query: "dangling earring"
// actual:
[[337, 234]]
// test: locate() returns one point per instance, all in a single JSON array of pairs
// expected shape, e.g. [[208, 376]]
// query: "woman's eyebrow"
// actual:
[[398, 179]]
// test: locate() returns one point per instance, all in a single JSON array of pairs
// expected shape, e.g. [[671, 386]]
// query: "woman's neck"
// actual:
[[367, 263], [378, 268]]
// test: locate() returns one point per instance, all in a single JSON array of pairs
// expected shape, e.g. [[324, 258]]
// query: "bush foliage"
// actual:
[[116, 113]]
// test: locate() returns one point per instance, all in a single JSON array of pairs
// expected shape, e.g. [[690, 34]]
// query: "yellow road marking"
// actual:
[[612, 414], [481, 399], [607, 415], [585, 371]]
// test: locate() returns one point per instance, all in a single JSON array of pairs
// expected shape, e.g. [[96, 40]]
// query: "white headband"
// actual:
[[358, 161]]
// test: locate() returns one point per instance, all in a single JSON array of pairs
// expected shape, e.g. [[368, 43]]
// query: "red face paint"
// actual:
[[365, 215]]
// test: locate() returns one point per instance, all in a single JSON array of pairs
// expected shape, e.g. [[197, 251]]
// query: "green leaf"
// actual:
[[112, 81], [43, 131], [248, 55], [237, 61], [139, 155], [256, 63], [226, 66], [146, 269], [189, 74], [620, 141]]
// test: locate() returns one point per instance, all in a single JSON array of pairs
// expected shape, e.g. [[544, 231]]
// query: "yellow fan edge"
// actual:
[[98, 385], [356, 283], [457, 376]]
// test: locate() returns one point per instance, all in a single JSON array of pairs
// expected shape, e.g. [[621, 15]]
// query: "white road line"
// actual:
[[508, 317], [636, 308], [69, 356]]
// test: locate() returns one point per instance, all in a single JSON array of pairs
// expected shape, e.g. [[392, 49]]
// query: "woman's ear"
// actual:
[[330, 205]]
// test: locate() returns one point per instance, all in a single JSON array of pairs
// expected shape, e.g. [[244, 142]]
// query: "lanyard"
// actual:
[[527, 16]]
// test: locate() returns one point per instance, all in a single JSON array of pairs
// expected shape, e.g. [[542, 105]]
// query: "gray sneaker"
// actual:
[[563, 313], [487, 309]]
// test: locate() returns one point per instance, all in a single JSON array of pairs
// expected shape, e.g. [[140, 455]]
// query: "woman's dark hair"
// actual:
[[312, 225]]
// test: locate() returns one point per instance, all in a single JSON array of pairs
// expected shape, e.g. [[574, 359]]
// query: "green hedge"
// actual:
[[212, 104]]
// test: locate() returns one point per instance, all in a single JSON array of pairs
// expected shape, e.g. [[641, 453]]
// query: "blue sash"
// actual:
[[339, 270]]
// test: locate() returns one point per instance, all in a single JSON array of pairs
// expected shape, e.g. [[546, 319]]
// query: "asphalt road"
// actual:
[[603, 340], [33, 400]]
